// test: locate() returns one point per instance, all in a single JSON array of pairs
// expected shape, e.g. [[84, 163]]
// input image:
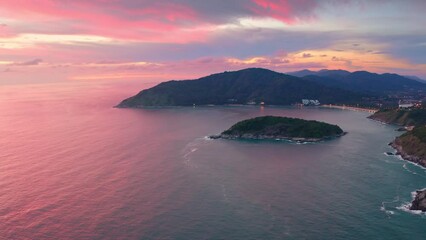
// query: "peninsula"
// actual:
[[411, 145], [281, 128], [247, 86], [401, 117]]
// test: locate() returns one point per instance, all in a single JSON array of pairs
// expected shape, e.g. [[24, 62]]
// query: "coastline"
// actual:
[[398, 147], [275, 138], [418, 202], [407, 157], [343, 107]]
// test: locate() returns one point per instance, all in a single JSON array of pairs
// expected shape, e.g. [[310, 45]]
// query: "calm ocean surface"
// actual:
[[73, 167]]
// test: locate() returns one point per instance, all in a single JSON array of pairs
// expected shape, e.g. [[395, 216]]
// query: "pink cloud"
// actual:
[[5, 31], [104, 18], [142, 20], [288, 11], [33, 62]]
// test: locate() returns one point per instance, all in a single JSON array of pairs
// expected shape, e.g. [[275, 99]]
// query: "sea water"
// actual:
[[74, 167]]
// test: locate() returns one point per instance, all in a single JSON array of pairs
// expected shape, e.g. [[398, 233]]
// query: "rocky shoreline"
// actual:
[[411, 158], [273, 137], [419, 202]]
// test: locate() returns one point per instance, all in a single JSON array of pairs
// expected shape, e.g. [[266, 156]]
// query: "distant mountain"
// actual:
[[321, 73], [302, 73], [416, 78], [363, 81], [239, 87]]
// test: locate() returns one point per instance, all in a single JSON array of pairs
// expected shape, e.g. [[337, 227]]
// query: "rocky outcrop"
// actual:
[[419, 202], [412, 158]]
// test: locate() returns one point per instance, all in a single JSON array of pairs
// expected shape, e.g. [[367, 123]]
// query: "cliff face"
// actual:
[[412, 145]]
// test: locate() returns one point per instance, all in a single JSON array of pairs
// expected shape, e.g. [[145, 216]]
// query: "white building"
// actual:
[[405, 104], [308, 102]]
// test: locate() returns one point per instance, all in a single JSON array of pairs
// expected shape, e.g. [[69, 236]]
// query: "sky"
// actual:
[[74, 40]]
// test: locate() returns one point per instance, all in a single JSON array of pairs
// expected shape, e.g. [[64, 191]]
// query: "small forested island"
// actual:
[[281, 128]]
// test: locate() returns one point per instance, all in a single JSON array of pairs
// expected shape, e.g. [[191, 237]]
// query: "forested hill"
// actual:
[[239, 87], [364, 82]]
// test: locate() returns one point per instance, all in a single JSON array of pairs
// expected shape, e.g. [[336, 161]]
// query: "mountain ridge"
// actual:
[[238, 87], [364, 81]]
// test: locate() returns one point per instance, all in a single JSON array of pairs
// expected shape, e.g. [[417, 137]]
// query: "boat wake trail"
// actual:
[[191, 148]]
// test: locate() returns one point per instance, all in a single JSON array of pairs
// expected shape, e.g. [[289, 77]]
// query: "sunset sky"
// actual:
[[71, 40]]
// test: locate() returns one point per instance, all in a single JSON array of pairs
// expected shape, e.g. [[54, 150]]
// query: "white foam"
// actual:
[[406, 206], [193, 147], [388, 212], [383, 207], [207, 138], [399, 157], [415, 164], [408, 170]]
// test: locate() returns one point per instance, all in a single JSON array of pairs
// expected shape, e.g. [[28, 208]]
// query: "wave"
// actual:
[[406, 206], [207, 138], [383, 207], [408, 170], [399, 157]]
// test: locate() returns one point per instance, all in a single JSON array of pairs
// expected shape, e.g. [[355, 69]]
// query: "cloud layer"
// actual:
[[384, 36]]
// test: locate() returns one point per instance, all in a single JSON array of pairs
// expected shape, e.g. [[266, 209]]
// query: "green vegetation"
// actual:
[[240, 87], [414, 142], [420, 133], [283, 127], [409, 117]]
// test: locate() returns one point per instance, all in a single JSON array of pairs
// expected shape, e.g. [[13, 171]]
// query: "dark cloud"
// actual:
[[348, 62], [412, 47], [307, 55]]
